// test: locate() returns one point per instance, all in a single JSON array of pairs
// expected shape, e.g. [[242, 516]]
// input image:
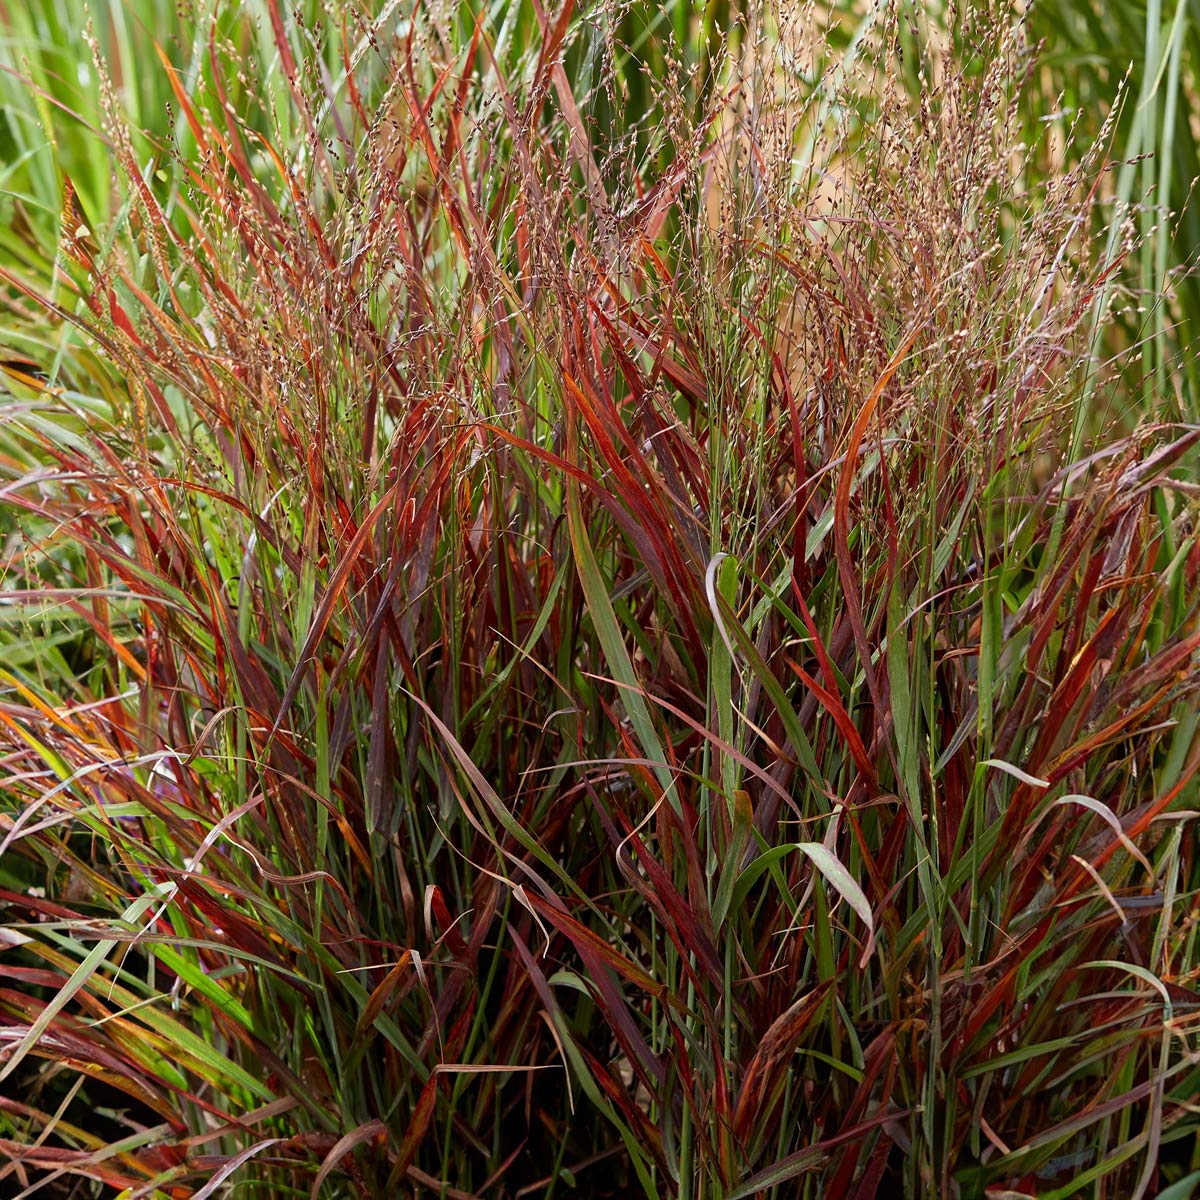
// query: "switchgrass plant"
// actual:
[[555, 650]]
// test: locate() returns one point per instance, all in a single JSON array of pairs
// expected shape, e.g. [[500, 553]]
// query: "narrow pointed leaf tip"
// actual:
[[843, 883]]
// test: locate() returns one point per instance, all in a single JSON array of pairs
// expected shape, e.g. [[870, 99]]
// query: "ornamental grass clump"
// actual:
[[567, 631]]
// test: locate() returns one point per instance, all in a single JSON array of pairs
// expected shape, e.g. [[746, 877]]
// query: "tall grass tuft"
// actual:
[[575, 627]]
